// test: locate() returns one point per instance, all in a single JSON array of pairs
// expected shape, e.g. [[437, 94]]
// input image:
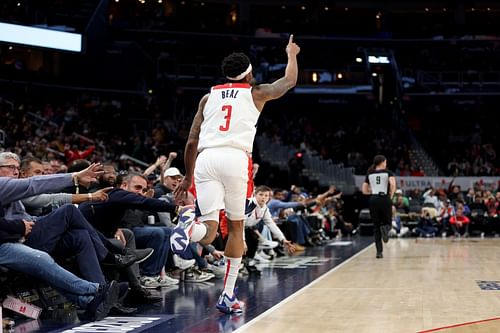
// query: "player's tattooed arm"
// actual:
[[193, 138], [190, 152], [265, 92], [194, 132]]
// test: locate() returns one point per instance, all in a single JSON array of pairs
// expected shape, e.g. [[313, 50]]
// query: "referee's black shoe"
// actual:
[[384, 229]]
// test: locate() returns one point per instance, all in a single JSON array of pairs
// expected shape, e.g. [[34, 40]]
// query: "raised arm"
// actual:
[[160, 161], [171, 156], [266, 92], [191, 151]]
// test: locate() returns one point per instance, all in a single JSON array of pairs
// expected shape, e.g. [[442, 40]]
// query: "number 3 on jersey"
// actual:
[[227, 117]]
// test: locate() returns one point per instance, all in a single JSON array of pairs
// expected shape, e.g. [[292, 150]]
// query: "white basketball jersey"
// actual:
[[229, 118]]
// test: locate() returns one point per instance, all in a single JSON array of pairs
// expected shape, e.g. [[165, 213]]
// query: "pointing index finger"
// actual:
[[290, 40]]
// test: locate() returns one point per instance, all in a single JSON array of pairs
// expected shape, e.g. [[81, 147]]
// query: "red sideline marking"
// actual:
[[458, 325]]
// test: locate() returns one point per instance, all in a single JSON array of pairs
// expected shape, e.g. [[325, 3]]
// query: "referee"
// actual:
[[380, 184]]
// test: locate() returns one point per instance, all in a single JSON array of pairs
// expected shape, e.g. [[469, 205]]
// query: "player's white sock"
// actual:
[[232, 269], [198, 231]]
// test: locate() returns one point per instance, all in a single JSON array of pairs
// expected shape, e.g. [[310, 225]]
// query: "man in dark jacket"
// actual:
[[64, 230], [107, 216]]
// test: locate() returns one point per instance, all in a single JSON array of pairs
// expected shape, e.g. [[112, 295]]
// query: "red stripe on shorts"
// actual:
[[250, 178]]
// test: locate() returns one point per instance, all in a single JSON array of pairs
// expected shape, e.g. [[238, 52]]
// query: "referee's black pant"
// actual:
[[381, 214]]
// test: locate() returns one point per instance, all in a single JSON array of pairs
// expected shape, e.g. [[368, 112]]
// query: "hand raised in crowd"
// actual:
[[102, 194], [172, 156], [89, 175], [160, 161], [28, 225], [332, 189]]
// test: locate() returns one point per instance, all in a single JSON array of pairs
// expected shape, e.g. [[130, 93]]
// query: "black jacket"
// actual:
[[106, 216]]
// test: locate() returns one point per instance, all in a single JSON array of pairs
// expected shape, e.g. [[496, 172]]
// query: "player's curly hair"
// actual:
[[235, 64]]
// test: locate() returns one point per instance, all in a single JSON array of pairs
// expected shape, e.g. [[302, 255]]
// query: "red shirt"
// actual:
[[455, 219]]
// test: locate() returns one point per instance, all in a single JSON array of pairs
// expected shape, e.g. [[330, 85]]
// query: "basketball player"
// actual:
[[218, 156], [380, 183]]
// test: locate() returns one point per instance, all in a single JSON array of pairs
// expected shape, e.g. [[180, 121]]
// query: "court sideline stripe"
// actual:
[[458, 325], [300, 291]]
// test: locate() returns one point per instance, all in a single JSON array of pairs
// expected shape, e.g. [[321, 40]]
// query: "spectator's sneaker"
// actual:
[[218, 272], [143, 254], [123, 289], [182, 263], [167, 281], [150, 282], [219, 263], [384, 230], [175, 274], [105, 298], [140, 295], [264, 255], [379, 255], [265, 244], [229, 305], [181, 235], [119, 260], [242, 271], [195, 275], [260, 258]]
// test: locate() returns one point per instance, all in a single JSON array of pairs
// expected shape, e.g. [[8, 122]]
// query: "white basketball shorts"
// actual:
[[223, 180]]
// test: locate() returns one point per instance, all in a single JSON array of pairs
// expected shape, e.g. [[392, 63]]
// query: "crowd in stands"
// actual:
[[342, 134], [468, 148], [443, 212], [86, 126], [123, 260]]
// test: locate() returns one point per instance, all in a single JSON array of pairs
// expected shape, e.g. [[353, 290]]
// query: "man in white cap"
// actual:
[[172, 177]]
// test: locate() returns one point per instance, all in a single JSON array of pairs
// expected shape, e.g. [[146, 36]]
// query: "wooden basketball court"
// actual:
[[421, 285]]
